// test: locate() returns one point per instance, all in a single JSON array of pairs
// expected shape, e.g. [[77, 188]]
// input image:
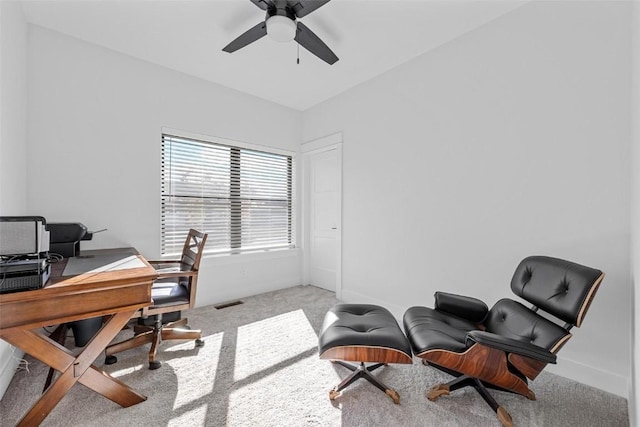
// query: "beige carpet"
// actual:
[[260, 367]]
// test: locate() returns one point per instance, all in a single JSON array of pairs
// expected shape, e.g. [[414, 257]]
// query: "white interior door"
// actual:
[[325, 196]]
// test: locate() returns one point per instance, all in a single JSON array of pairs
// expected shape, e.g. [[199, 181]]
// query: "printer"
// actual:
[[65, 238]]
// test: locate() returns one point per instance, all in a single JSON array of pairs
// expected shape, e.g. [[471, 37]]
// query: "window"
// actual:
[[242, 197]]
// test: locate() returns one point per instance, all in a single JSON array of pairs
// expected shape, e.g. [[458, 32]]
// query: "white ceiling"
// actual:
[[369, 36]]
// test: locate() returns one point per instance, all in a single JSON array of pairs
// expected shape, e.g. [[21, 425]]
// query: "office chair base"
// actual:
[[154, 336], [362, 371]]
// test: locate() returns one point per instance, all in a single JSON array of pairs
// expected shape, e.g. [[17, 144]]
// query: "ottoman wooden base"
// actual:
[[362, 371]]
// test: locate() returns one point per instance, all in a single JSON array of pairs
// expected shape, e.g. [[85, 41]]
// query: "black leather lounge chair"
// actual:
[[503, 347]]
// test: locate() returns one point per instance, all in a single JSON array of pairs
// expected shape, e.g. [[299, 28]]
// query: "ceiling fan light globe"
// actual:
[[281, 29]]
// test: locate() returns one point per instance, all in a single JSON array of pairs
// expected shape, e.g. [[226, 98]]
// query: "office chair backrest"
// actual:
[[190, 261], [561, 288], [192, 250]]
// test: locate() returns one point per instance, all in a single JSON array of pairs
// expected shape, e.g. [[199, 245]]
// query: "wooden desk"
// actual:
[[117, 293]]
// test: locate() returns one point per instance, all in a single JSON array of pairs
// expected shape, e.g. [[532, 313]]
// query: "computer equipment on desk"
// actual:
[[66, 237], [24, 243], [23, 235], [23, 274]]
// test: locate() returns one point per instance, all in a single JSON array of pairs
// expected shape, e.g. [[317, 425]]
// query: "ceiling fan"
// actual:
[[281, 25]]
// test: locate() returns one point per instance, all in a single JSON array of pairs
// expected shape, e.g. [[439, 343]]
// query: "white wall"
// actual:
[[13, 109], [634, 394], [95, 122], [510, 141], [13, 138]]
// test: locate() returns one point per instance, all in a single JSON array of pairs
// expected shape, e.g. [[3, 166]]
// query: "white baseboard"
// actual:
[[591, 376], [9, 360], [238, 292], [576, 371]]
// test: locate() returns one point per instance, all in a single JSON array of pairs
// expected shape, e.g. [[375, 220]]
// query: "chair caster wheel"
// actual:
[[393, 395], [333, 394], [199, 343], [436, 391], [154, 365], [110, 360]]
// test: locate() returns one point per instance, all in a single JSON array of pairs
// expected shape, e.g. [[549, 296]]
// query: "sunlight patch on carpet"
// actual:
[[296, 395], [127, 371], [271, 341], [194, 417], [196, 378]]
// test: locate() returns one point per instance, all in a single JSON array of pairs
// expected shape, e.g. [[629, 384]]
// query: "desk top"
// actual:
[[89, 294], [101, 261]]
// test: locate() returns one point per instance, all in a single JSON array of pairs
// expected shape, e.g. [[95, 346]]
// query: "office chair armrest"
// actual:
[[175, 273], [468, 308], [511, 345], [165, 265], [163, 261]]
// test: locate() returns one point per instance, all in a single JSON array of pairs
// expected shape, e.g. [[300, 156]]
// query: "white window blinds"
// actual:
[[241, 197]]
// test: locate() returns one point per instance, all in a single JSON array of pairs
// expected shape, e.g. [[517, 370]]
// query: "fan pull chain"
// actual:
[[298, 54]]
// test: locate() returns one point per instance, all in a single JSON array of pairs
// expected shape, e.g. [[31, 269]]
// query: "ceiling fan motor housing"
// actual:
[[281, 9], [281, 23]]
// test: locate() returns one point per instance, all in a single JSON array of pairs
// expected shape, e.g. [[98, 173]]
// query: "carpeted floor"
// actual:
[[260, 367]]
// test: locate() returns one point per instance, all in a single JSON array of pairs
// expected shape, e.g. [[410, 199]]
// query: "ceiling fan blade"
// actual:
[[247, 37], [304, 7], [263, 4], [308, 40]]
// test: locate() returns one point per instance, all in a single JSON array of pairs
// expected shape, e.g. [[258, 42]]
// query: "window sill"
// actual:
[[249, 257]]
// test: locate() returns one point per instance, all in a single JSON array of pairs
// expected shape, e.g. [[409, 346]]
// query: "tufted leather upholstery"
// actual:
[[513, 320], [428, 329], [361, 325], [559, 287]]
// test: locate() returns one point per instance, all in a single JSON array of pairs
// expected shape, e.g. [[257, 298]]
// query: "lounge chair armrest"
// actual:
[[468, 308], [511, 345]]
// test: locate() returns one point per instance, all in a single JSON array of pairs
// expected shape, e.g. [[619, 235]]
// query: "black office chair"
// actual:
[[502, 347], [173, 291]]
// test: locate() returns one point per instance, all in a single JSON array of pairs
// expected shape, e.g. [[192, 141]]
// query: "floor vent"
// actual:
[[228, 304]]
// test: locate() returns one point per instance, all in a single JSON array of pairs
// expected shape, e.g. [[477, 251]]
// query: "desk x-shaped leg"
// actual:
[[73, 369]]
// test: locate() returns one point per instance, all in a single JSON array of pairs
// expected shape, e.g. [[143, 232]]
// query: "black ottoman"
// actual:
[[363, 333]]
